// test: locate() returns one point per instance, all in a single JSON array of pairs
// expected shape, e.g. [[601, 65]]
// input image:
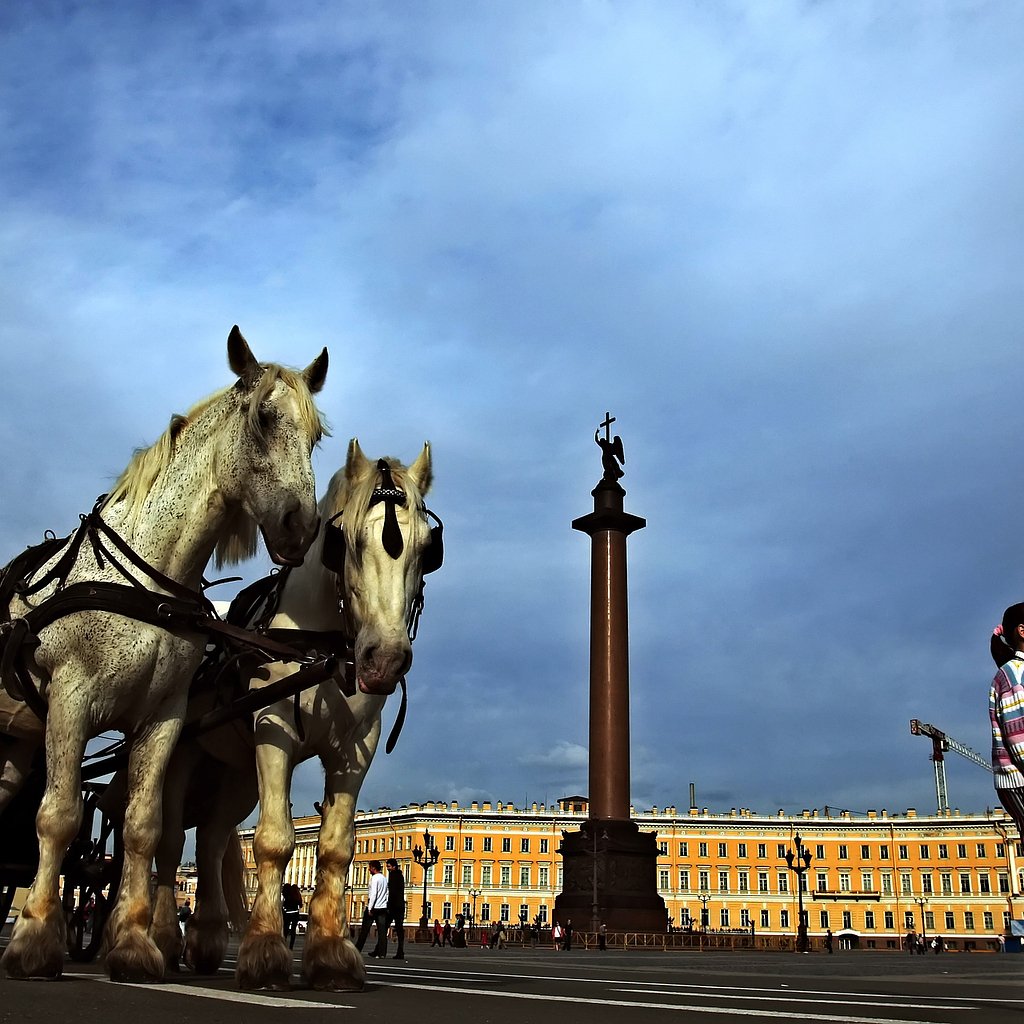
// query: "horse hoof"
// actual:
[[35, 951], [264, 962], [135, 961], [333, 964]]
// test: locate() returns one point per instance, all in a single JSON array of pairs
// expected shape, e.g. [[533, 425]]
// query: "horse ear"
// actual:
[[422, 470], [240, 358], [357, 464], [316, 373]]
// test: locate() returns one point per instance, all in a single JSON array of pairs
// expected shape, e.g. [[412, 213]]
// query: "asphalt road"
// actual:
[[476, 986]]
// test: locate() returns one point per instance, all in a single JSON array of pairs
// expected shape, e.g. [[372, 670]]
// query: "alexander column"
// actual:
[[609, 866]]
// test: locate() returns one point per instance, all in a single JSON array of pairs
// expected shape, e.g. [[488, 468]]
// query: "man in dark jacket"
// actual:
[[396, 904]]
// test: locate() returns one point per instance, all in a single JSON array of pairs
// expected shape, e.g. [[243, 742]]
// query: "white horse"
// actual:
[[371, 600], [238, 460]]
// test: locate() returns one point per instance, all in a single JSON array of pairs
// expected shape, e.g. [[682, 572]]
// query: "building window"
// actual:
[[987, 920], [449, 874], [1000, 850], [984, 884], [1004, 882], [524, 911], [506, 875], [741, 851], [943, 851], [762, 850], [783, 919], [430, 909], [926, 883], [663, 848], [961, 851], [446, 910], [844, 881], [467, 874], [925, 851], [965, 883], [823, 918], [762, 881], [465, 911], [869, 919], [506, 912], [883, 852], [969, 920], [981, 850], [704, 880], [524, 876], [781, 851], [783, 882], [950, 921], [485, 911], [543, 846], [886, 884], [766, 921], [866, 882], [684, 849], [743, 881], [543, 874], [946, 880], [467, 844], [506, 844], [904, 852], [722, 851], [488, 844], [929, 920], [819, 852], [723, 881], [684, 881], [543, 913], [449, 843], [744, 918], [822, 881], [702, 849], [865, 852], [890, 920], [663, 879], [847, 919], [843, 852], [905, 884], [485, 874], [908, 919], [724, 917], [524, 845]]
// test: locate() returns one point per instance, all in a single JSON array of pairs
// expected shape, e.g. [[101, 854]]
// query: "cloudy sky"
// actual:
[[780, 242]]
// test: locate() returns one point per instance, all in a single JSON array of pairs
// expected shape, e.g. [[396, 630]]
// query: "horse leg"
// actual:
[[206, 938], [37, 947], [330, 959], [133, 956], [165, 930], [264, 960]]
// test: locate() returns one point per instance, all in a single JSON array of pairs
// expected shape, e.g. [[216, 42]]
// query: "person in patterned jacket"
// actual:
[[1006, 712]]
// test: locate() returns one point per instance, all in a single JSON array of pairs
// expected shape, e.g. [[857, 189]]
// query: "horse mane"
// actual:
[[354, 496], [239, 537]]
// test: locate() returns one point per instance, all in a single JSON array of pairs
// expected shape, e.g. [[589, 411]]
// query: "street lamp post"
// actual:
[[704, 901], [472, 917], [800, 862], [426, 857], [922, 902]]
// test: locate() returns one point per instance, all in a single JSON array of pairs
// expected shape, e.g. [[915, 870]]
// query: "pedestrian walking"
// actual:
[[396, 908], [291, 907], [602, 936], [438, 934], [376, 912], [828, 941], [556, 936]]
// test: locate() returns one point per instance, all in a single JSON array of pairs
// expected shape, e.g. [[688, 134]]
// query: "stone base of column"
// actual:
[[625, 860]]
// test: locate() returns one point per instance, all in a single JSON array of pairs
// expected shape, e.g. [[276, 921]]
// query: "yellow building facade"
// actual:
[[871, 878]]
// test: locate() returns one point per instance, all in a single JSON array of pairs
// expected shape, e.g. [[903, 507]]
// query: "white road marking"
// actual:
[[228, 996], [734, 1010], [796, 998]]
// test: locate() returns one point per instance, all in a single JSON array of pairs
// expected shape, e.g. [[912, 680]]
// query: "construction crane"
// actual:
[[940, 744]]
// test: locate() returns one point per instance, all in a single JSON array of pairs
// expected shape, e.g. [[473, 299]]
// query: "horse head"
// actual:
[[265, 468], [379, 543]]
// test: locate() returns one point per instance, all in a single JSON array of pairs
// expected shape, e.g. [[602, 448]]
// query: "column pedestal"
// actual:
[[625, 896]]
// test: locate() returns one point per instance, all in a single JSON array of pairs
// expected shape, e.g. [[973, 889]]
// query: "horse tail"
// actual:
[[232, 876]]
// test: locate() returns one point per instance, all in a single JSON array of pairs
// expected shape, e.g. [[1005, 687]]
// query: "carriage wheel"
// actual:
[[91, 877]]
